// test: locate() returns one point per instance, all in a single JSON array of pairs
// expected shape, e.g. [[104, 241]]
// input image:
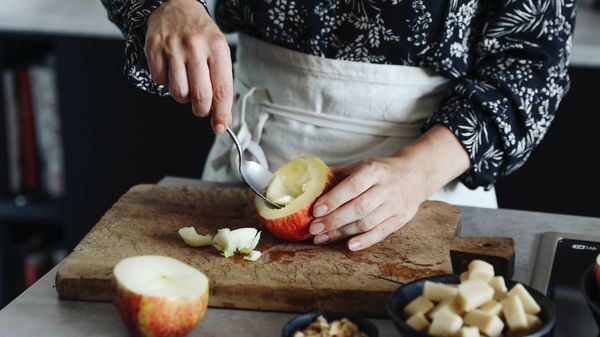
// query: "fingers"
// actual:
[[378, 216], [156, 61], [342, 171], [200, 87], [348, 189], [186, 50], [222, 85], [178, 80], [375, 235], [358, 209]]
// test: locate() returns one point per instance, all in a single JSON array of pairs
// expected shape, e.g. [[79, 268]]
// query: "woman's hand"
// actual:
[[380, 195], [186, 50], [376, 198]]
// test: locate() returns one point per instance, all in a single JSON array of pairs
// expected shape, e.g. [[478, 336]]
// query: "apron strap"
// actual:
[[248, 141], [346, 124]]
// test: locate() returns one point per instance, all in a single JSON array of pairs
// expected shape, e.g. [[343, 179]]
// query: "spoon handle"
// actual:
[[238, 146]]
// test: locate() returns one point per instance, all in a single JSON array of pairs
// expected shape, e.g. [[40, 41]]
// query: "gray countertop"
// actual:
[[88, 18], [38, 312]]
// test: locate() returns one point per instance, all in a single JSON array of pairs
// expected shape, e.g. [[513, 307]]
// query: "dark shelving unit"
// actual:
[[114, 136], [42, 212]]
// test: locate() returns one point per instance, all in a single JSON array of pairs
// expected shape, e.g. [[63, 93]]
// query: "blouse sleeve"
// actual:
[[501, 111], [130, 17]]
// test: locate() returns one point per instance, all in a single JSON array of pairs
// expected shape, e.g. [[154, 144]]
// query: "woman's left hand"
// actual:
[[376, 197], [380, 195]]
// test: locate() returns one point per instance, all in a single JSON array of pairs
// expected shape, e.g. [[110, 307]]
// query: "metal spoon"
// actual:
[[253, 174]]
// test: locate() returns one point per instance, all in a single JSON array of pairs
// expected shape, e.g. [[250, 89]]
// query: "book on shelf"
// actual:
[[47, 122], [28, 142], [37, 262], [34, 158], [4, 175], [11, 125]]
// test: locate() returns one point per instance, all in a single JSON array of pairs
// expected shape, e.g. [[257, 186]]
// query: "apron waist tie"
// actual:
[[250, 142]]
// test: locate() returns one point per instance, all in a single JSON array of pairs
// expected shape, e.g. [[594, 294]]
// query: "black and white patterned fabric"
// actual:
[[509, 58]]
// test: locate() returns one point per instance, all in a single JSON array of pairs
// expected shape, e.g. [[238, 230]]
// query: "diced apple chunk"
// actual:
[[419, 304], [514, 313], [445, 324], [447, 304], [533, 322], [492, 307], [530, 305], [497, 282], [418, 322], [481, 270], [468, 331], [489, 324], [192, 238], [474, 293], [464, 276], [437, 292]]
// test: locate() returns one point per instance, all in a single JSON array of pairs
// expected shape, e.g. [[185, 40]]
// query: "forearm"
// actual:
[[437, 157]]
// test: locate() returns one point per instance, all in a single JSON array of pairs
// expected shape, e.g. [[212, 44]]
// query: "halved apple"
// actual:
[[296, 185], [159, 296]]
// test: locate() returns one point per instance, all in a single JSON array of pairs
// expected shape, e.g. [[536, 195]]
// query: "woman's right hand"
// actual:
[[186, 51]]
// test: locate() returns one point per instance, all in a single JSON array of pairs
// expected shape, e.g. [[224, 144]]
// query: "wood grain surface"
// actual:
[[295, 277]]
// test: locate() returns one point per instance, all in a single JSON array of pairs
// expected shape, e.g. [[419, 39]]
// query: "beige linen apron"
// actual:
[[290, 104]]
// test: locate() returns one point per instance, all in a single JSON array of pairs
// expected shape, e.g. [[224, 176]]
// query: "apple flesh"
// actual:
[[296, 185], [193, 239], [159, 296], [242, 240]]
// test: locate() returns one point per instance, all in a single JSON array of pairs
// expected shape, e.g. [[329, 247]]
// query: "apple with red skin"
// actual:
[[296, 185], [158, 296]]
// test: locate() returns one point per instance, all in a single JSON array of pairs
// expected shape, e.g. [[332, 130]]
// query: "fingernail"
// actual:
[[219, 128], [320, 210], [316, 228], [354, 245], [320, 239]]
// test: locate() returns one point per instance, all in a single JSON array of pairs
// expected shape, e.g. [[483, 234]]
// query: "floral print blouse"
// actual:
[[508, 58]]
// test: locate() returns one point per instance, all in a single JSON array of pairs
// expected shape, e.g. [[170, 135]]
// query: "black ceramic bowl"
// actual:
[[302, 321], [408, 292], [591, 292]]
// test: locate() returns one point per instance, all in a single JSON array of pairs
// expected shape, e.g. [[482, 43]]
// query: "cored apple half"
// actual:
[[159, 296], [296, 185]]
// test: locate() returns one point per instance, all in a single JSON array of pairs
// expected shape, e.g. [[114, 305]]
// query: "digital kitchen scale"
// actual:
[[561, 261]]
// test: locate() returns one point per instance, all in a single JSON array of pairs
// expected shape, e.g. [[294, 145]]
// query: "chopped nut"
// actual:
[[338, 328]]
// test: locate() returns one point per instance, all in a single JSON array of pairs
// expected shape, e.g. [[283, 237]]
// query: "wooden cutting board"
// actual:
[[295, 277]]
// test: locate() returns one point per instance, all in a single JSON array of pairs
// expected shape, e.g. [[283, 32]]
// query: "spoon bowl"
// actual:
[[256, 176]]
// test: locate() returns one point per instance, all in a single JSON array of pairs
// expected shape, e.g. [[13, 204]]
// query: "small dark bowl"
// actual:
[[408, 292], [591, 292], [302, 321]]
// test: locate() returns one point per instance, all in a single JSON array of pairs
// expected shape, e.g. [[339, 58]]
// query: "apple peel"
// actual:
[[193, 239]]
